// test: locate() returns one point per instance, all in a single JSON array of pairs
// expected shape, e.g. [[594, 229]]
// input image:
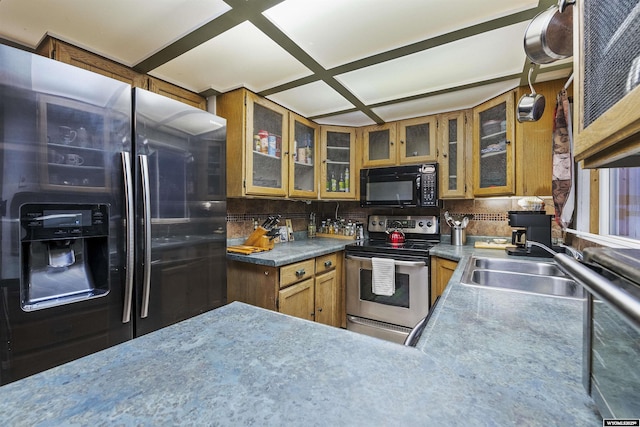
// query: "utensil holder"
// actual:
[[458, 236]]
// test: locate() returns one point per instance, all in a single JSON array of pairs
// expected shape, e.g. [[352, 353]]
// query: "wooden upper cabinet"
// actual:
[[410, 141], [417, 140], [253, 125], [379, 145], [607, 81], [175, 92], [454, 146], [534, 143], [338, 163], [303, 161], [493, 147], [69, 54]]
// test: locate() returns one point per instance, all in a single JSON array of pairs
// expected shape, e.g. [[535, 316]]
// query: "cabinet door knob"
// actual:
[[324, 161], [327, 264], [300, 272], [444, 155], [320, 310], [401, 142], [266, 273], [391, 142], [507, 142]]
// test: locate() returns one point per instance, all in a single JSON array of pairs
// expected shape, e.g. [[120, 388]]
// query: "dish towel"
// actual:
[[383, 280]]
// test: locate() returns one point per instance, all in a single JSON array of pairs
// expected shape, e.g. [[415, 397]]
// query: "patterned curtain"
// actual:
[[563, 175]]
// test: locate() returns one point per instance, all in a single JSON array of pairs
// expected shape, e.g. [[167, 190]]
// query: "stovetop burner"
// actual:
[[408, 245], [422, 233]]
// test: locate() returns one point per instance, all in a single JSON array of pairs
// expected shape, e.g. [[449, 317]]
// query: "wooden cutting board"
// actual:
[[245, 250], [492, 245]]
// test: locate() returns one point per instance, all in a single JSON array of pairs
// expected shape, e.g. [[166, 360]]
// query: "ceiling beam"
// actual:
[[241, 10]]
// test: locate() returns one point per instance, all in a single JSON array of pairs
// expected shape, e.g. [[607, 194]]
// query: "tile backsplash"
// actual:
[[242, 212], [490, 216]]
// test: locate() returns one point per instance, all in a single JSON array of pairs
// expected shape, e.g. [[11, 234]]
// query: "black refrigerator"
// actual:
[[113, 212]]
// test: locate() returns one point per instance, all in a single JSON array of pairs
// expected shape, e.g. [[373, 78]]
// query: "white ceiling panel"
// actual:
[[241, 56], [450, 65], [292, 51], [122, 30], [312, 99], [458, 100], [336, 32], [356, 118]]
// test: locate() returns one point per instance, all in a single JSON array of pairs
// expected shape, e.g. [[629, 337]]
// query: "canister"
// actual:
[[458, 235]]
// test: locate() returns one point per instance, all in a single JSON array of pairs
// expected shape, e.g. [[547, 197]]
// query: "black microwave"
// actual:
[[400, 186]]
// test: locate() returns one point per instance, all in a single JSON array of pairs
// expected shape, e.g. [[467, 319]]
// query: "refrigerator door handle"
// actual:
[[130, 222], [146, 211]]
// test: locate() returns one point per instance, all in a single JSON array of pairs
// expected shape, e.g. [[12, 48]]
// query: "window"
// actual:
[[624, 202], [619, 207]]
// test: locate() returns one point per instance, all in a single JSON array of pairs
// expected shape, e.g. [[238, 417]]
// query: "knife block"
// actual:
[[255, 238], [265, 242]]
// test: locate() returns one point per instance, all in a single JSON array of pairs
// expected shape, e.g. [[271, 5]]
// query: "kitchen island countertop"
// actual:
[[487, 357]]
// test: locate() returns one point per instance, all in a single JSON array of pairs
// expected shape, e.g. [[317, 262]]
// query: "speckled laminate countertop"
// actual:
[[487, 357], [290, 252]]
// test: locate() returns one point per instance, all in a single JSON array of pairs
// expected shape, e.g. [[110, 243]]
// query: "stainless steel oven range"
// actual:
[[388, 284]]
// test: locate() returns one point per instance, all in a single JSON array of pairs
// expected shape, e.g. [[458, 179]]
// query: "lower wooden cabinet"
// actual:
[[298, 300], [441, 271], [311, 289]]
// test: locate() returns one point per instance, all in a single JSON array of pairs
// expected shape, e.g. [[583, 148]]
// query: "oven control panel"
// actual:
[[408, 224]]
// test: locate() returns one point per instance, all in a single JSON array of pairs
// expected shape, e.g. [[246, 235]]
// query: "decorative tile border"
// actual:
[[483, 216], [295, 215]]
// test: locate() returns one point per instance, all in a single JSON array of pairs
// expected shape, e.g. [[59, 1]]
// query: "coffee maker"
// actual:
[[530, 225]]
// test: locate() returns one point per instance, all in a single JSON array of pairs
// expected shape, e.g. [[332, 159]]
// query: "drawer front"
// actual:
[[296, 272], [326, 262]]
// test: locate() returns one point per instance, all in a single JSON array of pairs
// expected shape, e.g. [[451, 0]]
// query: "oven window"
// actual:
[[399, 299]]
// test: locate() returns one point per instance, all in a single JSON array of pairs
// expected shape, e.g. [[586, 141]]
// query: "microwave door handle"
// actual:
[[400, 263]]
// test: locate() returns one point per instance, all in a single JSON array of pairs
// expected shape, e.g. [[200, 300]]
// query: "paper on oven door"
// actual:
[[383, 280]]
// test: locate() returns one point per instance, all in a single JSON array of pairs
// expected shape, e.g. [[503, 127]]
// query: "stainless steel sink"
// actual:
[[519, 266], [534, 277]]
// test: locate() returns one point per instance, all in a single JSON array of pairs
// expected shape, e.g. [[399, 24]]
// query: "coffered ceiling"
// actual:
[[343, 62]]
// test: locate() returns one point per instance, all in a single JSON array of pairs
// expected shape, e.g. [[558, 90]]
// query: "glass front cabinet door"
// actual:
[[266, 136], [379, 145], [417, 140], [493, 147], [452, 158], [338, 177], [302, 159]]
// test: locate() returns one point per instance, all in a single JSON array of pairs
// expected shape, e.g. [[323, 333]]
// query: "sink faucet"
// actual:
[[531, 243], [574, 253]]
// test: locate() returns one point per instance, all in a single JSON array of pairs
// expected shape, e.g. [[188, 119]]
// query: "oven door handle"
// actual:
[[400, 263]]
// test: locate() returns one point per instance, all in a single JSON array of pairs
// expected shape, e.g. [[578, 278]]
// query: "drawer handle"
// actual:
[[300, 272], [327, 264]]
